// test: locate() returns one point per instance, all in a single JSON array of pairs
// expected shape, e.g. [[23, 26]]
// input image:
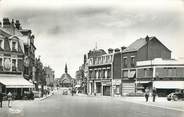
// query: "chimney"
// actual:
[[117, 50], [17, 24], [6, 22], [147, 38], [122, 48], [110, 50]]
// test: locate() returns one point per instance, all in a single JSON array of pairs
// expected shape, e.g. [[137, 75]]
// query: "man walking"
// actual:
[[146, 94], [154, 93], [9, 99]]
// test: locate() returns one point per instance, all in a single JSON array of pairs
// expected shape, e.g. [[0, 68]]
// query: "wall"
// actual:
[[117, 66], [154, 49]]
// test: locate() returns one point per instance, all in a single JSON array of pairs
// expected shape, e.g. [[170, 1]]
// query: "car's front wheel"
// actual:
[[175, 97]]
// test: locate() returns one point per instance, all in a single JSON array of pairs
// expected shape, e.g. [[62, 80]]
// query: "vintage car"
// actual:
[[65, 92], [176, 96]]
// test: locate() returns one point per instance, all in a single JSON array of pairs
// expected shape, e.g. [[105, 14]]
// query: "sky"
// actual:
[[65, 30]]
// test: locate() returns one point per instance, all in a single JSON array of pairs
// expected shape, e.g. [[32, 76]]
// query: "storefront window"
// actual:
[[125, 73]]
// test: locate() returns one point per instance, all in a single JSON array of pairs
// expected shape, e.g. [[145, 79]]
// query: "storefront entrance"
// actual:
[[106, 91]]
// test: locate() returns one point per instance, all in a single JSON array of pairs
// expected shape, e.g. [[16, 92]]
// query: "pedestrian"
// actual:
[[146, 94], [1, 99], [154, 93], [9, 99], [72, 91]]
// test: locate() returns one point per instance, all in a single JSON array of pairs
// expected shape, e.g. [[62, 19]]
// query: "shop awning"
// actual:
[[142, 82], [168, 84], [15, 82]]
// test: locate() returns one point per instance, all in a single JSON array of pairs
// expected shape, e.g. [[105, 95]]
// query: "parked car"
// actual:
[[65, 92], [28, 95], [176, 96]]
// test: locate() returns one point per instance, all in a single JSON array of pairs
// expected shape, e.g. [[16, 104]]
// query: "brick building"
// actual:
[[104, 77], [142, 49]]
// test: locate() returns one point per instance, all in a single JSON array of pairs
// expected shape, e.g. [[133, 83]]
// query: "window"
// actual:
[[1, 64], [108, 73], [13, 64], [14, 46], [125, 62], [132, 61], [125, 73], [99, 74], [1, 44]]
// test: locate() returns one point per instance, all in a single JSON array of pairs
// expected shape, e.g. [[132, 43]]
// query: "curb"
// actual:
[[45, 97]]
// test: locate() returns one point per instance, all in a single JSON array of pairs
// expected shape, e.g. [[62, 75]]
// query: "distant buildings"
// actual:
[[49, 76]]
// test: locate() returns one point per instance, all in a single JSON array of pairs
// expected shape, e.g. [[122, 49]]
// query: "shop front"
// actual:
[[166, 87], [116, 84], [106, 88], [15, 84]]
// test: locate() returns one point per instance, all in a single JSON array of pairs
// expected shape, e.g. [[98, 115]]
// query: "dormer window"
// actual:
[[14, 46]]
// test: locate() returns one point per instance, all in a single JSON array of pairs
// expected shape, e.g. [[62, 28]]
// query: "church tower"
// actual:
[[66, 69]]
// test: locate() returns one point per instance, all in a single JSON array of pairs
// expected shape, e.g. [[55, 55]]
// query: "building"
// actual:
[[49, 76], [142, 49], [104, 77], [165, 75], [81, 77], [12, 60], [26, 39], [66, 80]]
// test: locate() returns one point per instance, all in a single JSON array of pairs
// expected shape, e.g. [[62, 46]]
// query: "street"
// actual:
[[60, 105]]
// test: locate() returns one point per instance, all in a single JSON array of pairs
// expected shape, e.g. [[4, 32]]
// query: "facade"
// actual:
[[81, 77], [104, 77], [12, 60], [26, 39], [165, 75], [29, 54], [49, 76], [142, 49]]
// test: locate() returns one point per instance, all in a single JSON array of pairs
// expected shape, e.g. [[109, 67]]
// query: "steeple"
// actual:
[[66, 69]]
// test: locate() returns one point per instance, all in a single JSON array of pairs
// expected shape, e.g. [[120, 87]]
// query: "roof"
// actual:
[[139, 43], [135, 46], [66, 76]]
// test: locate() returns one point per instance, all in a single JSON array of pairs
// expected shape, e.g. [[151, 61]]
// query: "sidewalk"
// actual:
[[17, 107], [161, 102]]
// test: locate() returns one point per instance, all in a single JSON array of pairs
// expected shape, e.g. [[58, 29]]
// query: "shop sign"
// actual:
[[116, 81], [106, 83]]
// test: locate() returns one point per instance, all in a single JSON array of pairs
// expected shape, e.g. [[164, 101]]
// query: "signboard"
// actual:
[[106, 83], [116, 82]]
